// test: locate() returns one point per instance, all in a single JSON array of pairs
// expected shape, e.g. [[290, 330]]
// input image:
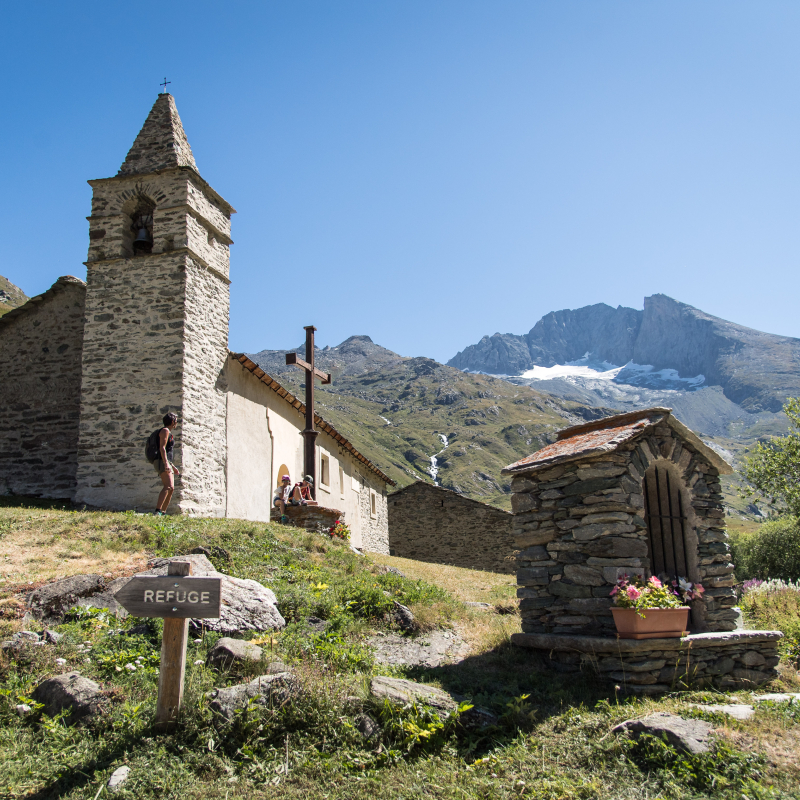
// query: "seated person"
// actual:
[[283, 495], [301, 494]]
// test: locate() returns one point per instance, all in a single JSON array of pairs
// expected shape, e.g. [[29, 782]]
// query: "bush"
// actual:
[[775, 605], [773, 551]]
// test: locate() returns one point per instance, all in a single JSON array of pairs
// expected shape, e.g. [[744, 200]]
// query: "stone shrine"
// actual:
[[636, 493]]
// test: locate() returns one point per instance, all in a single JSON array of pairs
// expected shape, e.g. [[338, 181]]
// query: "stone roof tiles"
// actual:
[[161, 143], [321, 423], [607, 435]]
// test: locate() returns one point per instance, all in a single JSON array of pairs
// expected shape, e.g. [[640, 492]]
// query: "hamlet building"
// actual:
[[89, 369]]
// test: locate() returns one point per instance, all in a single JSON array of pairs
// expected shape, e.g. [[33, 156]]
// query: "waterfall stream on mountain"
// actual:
[[434, 469]]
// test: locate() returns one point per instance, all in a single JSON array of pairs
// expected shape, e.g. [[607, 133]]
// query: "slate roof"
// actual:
[[606, 435], [322, 424], [161, 143], [432, 488]]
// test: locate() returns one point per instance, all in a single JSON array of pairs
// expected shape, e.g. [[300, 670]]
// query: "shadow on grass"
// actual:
[[498, 677]]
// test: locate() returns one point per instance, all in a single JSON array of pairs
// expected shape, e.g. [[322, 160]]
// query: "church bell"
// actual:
[[143, 238]]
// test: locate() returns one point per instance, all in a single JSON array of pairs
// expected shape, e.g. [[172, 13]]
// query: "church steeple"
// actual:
[[161, 143]]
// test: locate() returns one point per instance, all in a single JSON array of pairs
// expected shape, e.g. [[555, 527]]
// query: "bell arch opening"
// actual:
[[671, 538], [138, 234]]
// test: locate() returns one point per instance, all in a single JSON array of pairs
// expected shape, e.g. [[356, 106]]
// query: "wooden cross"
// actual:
[[165, 85], [177, 598], [310, 433]]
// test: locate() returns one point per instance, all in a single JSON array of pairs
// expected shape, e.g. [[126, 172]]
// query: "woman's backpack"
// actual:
[[152, 447]]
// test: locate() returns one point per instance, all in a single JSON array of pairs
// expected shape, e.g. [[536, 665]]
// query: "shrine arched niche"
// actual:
[[672, 542]]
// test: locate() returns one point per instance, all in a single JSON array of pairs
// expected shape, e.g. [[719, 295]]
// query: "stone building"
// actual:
[[90, 369], [430, 523], [636, 493]]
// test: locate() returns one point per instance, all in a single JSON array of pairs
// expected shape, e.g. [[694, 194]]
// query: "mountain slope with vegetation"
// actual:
[[402, 411], [10, 296]]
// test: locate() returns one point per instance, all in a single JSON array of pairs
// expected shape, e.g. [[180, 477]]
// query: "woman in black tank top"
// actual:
[[163, 464]]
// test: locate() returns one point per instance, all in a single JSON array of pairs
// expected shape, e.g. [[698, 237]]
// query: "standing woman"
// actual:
[[163, 464]]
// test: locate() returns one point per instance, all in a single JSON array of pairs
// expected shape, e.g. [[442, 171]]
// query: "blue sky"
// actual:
[[427, 172]]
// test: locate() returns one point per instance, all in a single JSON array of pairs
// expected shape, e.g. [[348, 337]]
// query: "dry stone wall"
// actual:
[[40, 361], [580, 525], [429, 523], [735, 660]]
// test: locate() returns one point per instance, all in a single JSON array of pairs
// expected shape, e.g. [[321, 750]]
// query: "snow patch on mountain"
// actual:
[[588, 369]]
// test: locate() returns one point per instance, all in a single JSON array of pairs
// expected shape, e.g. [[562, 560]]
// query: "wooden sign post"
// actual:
[[176, 598]]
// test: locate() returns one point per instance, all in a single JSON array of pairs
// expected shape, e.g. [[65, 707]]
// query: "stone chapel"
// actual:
[[90, 368]]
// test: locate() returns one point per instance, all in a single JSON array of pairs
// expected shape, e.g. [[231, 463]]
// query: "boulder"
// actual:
[[18, 641], [735, 710], [118, 777], [384, 569], [50, 602], [403, 692], [263, 690], [368, 727], [227, 652], [246, 604], [82, 696], [403, 617], [477, 718], [687, 735]]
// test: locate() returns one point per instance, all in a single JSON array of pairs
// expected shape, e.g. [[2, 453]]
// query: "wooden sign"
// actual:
[[177, 598], [171, 597]]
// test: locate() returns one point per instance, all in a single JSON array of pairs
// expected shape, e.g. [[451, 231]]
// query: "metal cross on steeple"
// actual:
[[310, 433], [165, 85]]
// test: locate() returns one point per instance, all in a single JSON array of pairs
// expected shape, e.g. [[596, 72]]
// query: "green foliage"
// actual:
[[719, 771], [416, 727], [775, 607], [773, 469], [772, 551]]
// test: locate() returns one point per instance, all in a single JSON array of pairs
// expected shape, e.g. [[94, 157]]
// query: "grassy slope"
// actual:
[[553, 739], [17, 296], [488, 422]]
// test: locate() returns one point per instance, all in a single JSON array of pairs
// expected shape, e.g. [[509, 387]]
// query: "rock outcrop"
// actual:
[[756, 370], [81, 696]]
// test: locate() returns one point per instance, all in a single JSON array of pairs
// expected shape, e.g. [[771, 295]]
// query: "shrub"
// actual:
[[775, 605], [773, 551]]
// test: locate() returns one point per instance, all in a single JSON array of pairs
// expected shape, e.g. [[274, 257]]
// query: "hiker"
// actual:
[[163, 464], [283, 495], [301, 494]]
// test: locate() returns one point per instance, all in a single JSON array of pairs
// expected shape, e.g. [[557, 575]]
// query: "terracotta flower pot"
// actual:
[[658, 623]]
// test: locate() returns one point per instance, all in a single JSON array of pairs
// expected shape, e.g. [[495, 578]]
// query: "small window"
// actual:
[[373, 504], [356, 484], [324, 470], [341, 480]]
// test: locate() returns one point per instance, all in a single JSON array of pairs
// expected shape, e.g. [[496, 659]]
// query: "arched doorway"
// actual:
[[667, 523], [282, 470]]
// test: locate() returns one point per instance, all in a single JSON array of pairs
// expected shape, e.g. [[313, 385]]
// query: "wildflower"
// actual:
[[61, 661], [118, 668], [633, 593], [198, 641], [198, 662], [130, 667]]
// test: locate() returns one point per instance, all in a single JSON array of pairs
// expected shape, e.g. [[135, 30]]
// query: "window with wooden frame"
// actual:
[[341, 480], [667, 524], [373, 504]]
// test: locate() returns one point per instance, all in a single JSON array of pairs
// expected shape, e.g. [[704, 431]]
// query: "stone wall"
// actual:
[[131, 376], [580, 526], [40, 364], [374, 527], [311, 518], [429, 523], [737, 660]]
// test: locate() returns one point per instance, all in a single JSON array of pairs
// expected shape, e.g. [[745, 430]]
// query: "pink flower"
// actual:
[[656, 582], [633, 593], [614, 590]]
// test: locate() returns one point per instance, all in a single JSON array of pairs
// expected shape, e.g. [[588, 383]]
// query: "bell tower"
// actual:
[[156, 326]]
